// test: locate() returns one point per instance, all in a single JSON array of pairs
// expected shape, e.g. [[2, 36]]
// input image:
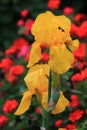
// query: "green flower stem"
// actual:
[[46, 114], [49, 87], [53, 96], [43, 124], [45, 119]]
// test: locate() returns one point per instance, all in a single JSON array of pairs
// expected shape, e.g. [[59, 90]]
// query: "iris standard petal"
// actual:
[[35, 54], [60, 59], [42, 27], [25, 103]]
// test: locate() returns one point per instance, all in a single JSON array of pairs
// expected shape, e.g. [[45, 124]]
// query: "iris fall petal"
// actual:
[[35, 54], [37, 78], [25, 103], [61, 104], [60, 59], [59, 107]]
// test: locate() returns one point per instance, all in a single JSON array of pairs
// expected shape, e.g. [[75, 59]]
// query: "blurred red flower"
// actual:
[[17, 45], [80, 55], [80, 31], [84, 73], [3, 120], [75, 102], [76, 115], [10, 106], [20, 22], [28, 26], [71, 126], [58, 123], [74, 29], [6, 63], [24, 13], [68, 10], [80, 17], [53, 4], [45, 57], [81, 51], [17, 70], [77, 77], [86, 110], [13, 73], [37, 110]]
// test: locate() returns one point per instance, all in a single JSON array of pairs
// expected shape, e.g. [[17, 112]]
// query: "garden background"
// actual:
[[16, 20]]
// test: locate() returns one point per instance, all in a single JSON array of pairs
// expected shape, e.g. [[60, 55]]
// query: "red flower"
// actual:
[[75, 102], [45, 57], [86, 110], [71, 126], [81, 51], [10, 106], [6, 63], [58, 123], [38, 110], [24, 13], [20, 23], [79, 64], [84, 73], [17, 70], [74, 29], [28, 25], [77, 77], [68, 10], [25, 50], [18, 44], [3, 120], [11, 78], [79, 31], [82, 31], [53, 4], [80, 17], [76, 115], [13, 73], [42, 46], [80, 55]]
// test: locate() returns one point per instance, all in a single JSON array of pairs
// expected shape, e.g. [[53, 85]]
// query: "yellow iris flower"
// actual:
[[54, 32], [37, 83]]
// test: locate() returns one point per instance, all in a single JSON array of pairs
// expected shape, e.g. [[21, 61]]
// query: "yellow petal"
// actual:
[[59, 107], [61, 104], [73, 45], [35, 54], [36, 79], [60, 59], [62, 129], [64, 22], [42, 27], [25, 103], [45, 28]]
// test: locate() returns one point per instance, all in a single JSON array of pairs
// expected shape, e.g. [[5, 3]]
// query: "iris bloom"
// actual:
[[37, 83], [53, 31]]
